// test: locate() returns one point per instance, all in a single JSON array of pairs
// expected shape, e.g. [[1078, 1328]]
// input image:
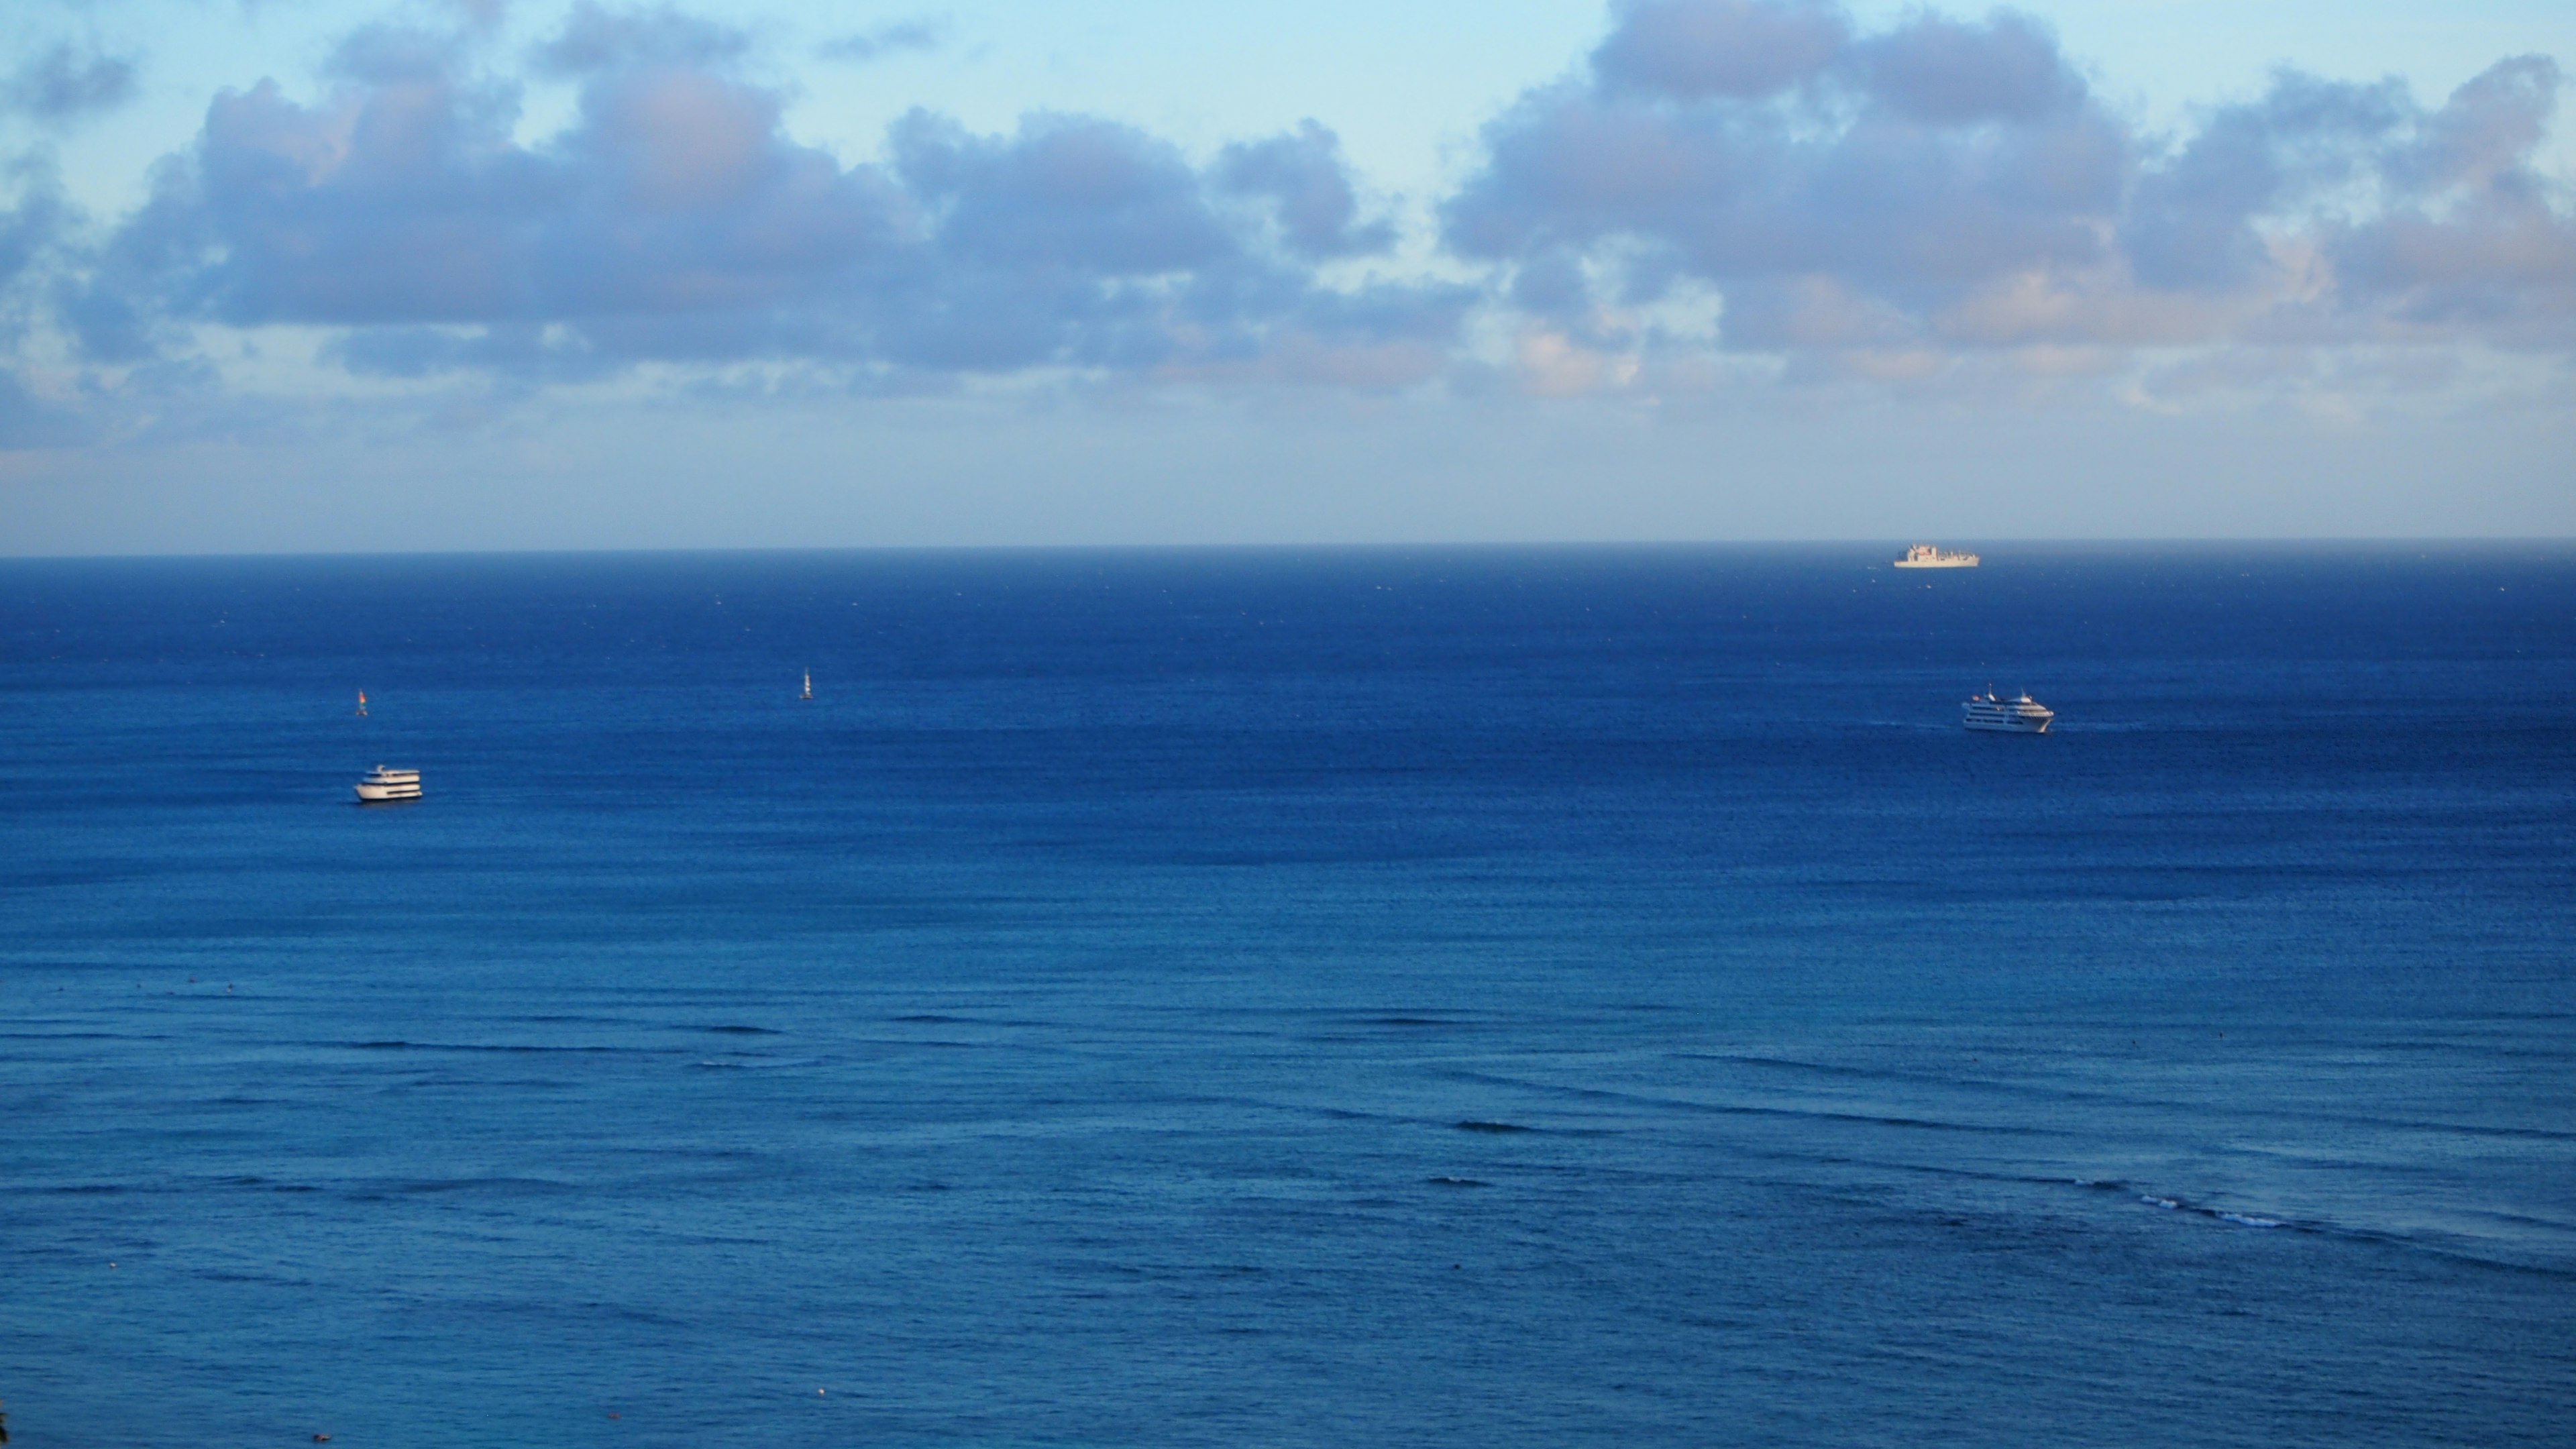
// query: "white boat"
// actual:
[[809, 685], [381, 784], [2022, 716], [1925, 556]]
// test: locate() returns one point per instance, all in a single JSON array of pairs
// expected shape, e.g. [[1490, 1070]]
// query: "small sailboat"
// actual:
[[362, 704], [809, 685]]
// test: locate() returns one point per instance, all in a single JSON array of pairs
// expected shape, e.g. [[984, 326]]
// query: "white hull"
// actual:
[[381, 786], [1938, 563], [2010, 727]]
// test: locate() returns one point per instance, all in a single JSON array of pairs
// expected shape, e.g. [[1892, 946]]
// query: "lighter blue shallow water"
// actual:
[[1465, 997]]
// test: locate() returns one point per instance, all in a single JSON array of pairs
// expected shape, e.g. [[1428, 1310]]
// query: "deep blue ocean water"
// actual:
[[1494, 997]]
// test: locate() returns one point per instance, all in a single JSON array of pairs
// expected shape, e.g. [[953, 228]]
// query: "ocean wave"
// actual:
[[396, 1044], [1761, 1109], [512, 1185], [2248, 1220], [269, 1184]]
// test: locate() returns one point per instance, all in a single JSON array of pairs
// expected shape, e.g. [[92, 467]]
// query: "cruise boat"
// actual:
[[1925, 556], [381, 784], [2022, 716]]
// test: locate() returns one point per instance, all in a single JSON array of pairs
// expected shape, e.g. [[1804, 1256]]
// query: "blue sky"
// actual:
[[526, 274]]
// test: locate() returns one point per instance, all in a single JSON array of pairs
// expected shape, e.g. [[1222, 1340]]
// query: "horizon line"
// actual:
[[1336, 546]]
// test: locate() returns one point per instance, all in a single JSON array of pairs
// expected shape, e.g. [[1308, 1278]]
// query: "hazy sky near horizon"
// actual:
[[288, 275]]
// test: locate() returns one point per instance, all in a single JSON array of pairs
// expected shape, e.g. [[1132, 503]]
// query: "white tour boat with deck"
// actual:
[[2023, 716], [381, 784], [1925, 556]]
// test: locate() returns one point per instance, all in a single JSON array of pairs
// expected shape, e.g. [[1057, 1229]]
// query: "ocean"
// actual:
[[1367, 996]]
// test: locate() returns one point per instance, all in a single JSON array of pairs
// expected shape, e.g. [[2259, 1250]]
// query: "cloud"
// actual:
[[1908, 167], [895, 38], [675, 220], [522, 351], [404, 199], [1945, 72], [1302, 175], [596, 38], [34, 224], [1067, 191], [2193, 221], [1945, 185], [1717, 176], [2478, 241], [2430, 224], [27, 421], [62, 85], [2487, 130], [33, 234], [1691, 50], [1895, 210], [482, 14]]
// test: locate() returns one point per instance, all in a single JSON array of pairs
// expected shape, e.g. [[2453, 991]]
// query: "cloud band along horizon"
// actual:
[[1839, 201]]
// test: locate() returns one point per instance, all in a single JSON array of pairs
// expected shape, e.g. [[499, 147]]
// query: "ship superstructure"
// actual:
[[382, 785], [2021, 716]]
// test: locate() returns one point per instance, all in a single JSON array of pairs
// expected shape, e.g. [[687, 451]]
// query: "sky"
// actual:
[[290, 276]]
